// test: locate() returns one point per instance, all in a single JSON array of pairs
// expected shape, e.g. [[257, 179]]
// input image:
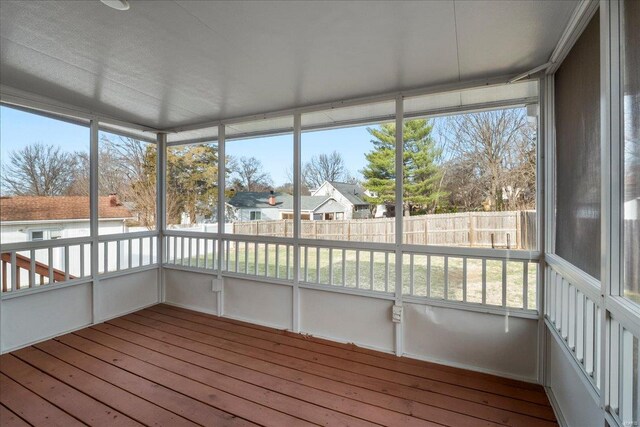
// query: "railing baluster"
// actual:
[[411, 274], [66, 262], [198, 240], [82, 249], [571, 329], [558, 301], [317, 264], [256, 249], [504, 282], [306, 263], [246, 258], [32, 268], [117, 242], [288, 274], [371, 270], [446, 278], [129, 253], [344, 268], [15, 282], [589, 342], [5, 288], [386, 271], [206, 253], [105, 253], [331, 266], [580, 327], [50, 255], [235, 246], [140, 252], [266, 260], [277, 261], [190, 251], [464, 279], [484, 280], [525, 285]]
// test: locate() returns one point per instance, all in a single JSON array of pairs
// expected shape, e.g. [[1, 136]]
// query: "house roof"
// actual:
[[45, 208], [307, 203], [284, 201], [352, 192], [252, 199]]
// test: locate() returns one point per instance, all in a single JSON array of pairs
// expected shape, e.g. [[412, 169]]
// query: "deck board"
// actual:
[[171, 366]]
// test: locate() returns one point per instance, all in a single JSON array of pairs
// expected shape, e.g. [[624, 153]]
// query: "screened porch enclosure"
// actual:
[[434, 242]]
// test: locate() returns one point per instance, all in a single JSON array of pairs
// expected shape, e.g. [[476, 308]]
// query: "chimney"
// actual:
[[272, 199], [113, 200]]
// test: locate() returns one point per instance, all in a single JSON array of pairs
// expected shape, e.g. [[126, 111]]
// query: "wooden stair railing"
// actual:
[[23, 262]]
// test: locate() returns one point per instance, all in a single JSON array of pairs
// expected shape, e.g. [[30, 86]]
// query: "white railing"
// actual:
[[348, 267], [31, 265], [47, 263], [572, 309], [191, 250], [474, 277], [244, 256], [496, 282], [121, 252]]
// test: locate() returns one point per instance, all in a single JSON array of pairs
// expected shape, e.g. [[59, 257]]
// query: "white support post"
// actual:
[[399, 219], [542, 223], [222, 167], [297, 221], [161, 203], [611, 185], [93, 219]]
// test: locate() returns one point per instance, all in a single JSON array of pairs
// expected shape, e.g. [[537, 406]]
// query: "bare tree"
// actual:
[[39, 170], [250, 175], [325, 167], [492, 153]]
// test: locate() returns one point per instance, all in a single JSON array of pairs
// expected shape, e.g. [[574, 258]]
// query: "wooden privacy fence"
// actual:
[[513, 229]]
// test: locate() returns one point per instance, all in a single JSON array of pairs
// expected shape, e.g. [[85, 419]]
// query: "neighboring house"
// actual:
[[264, 206], [331, 201], [27, 218], [350, 196]]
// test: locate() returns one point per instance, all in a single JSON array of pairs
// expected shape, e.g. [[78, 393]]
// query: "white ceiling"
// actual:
[[167, 64]]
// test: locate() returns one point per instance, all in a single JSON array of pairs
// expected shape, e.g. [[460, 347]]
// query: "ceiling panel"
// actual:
[[168, 64]]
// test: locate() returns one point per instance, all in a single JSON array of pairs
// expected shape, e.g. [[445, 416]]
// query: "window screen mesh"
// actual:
[[577, 110]]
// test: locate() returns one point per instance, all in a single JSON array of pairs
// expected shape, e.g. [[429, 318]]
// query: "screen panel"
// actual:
[[577, 111]]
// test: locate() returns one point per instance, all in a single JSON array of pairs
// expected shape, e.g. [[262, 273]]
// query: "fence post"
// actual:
[[472, 230]]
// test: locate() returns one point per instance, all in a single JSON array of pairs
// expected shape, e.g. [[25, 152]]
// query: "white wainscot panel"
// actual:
[[479, 341], [190, 290], [258, 302], [577, 405], [31, 318], [127, 293], [361, 320]]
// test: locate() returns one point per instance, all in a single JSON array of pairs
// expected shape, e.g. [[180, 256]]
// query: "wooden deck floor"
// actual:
[[170, 366]]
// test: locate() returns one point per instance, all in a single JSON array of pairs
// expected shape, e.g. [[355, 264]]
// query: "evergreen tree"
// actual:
[[422, 175]]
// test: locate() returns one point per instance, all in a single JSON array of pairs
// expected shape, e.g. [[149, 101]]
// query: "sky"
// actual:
[[19, 129]]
